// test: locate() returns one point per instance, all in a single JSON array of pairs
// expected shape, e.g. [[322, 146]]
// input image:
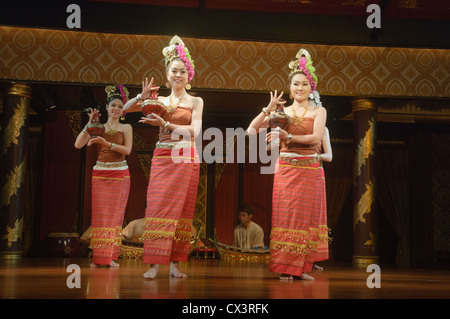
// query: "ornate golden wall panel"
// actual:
[[100, 58]]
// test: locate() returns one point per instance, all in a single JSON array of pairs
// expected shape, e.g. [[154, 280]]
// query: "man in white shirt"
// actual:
[[248, 234]]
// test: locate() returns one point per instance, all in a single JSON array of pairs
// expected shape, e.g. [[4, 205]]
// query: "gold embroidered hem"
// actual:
[[160, 228], [102, 237], [294, 242]]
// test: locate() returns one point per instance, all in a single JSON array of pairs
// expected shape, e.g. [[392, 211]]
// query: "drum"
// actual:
[[63, 245]]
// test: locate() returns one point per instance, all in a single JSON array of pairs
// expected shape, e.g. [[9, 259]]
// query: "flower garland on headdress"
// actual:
[[117, 91], [177, 49], [304, 64]]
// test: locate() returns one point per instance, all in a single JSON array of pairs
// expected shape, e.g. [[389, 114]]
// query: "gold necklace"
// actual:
[[172, 106], [298, 119], [110, 130]]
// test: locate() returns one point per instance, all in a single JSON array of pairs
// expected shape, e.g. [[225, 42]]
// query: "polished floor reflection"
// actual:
[[212, 279]]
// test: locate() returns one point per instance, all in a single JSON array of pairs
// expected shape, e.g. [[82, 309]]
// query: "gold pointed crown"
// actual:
[[177, 49], [303, 63], [117, 91]]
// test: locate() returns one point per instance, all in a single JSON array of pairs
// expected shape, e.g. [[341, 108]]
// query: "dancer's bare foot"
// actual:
[[175, 272], [114, 264], [286, 277], [92, 265], [317, 267], [307, 277], [151, 273]]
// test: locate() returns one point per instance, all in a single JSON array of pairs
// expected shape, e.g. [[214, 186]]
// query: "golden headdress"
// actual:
[[118, 91], [303, 63], [177, 49]]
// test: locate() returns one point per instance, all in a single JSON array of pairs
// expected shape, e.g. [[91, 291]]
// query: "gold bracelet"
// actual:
[[264, 110], [113, 146]]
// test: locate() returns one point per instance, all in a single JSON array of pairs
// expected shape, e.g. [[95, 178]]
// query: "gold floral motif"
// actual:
[[364, 205], [74, 121], [17, 121], [365, 147], [370, 243], [14, 181], [15, 233]]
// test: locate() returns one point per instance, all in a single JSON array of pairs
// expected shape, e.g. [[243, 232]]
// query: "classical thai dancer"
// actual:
[[175, 168], [110, 176], [299, 234]]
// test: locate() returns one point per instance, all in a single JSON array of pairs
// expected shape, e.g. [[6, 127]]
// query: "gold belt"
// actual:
[[175, 145], [111, 164], [301, 162]]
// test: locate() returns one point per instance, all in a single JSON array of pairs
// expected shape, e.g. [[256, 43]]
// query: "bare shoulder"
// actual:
[[321, 110], [197, 102], [127, 127]]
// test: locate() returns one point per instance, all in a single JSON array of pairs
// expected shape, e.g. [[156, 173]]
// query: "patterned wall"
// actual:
[[99, 58]]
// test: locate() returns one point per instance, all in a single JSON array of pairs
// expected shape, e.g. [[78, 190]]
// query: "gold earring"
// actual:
[[168, 85], [188, 86], [122, 117]]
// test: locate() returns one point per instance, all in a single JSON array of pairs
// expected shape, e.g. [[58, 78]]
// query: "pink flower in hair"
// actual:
[[123, 92], [302, 67], [186, 58]]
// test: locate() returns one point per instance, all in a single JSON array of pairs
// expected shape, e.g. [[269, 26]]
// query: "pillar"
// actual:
[[364, 183], [13, 159]]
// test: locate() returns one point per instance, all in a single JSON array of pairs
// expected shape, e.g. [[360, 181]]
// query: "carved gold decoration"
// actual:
[[74, 121], [365, 147], [364, 205], [359, 3], [17, 121], [21, 90], [15, 233], [410, 4], [14, 181], [370, 243], [360, 104], [364, 261]]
